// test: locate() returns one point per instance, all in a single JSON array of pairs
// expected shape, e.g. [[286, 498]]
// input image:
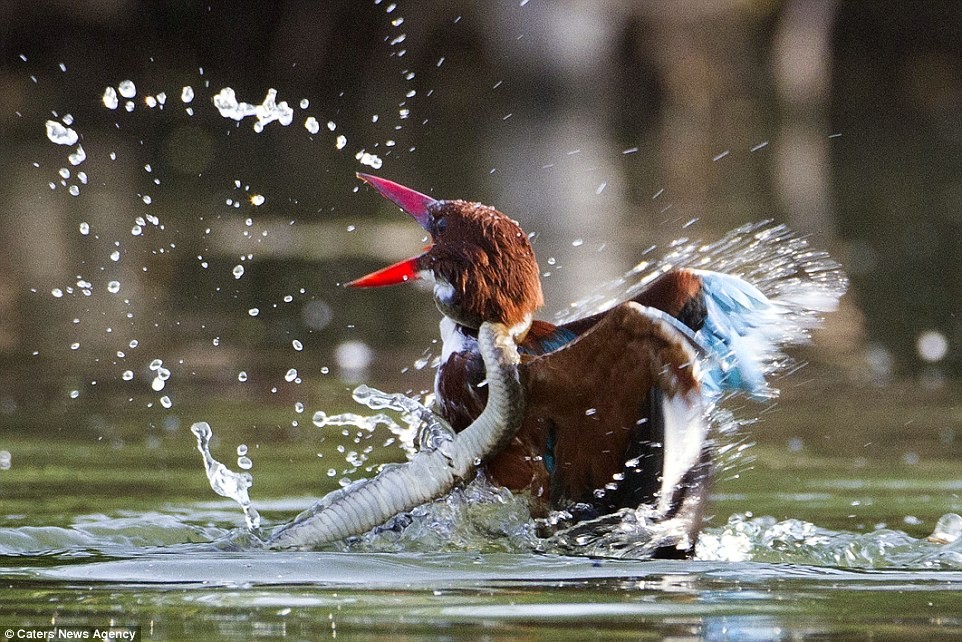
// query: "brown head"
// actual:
[[481, 262]]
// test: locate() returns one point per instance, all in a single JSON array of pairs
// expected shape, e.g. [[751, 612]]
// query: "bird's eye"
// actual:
[[440, 224]]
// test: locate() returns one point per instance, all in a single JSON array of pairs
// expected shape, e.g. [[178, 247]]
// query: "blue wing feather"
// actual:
[[743, 330]]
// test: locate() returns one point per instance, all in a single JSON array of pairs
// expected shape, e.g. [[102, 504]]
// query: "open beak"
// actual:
[[417, 205]]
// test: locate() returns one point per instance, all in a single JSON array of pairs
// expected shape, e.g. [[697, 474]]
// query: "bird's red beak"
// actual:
[[414, 203], [406, 270]]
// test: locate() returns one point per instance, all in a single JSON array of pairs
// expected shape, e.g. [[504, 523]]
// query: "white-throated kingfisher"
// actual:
[[616, 403]]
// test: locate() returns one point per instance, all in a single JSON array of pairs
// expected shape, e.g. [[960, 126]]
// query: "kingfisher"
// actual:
[[617, 403]]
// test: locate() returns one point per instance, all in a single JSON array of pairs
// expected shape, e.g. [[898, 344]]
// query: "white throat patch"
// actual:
[[453, 340]]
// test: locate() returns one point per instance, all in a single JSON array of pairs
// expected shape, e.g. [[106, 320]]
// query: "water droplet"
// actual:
[[134, 343], [341, 142], [166, 402], [57, 293], [74, 394], [297, 345], [291, 375], [110, 98], [242, 376], [75, 346], [244, 463], [127, 88], [59, 134], [253, 312], [311, 125], [113, 287], [298, 407], [128, 375], [371, 160], [115, 256], [187, 94], [238, 271], [136, 230], [257, 200]]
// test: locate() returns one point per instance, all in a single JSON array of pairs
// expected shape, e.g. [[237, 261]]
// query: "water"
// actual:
[[123, 528]]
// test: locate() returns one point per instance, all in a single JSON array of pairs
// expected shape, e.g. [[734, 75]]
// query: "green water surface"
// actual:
[[120, 528]]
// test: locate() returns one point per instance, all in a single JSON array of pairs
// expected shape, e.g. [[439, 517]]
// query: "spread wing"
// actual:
[[614, 418]]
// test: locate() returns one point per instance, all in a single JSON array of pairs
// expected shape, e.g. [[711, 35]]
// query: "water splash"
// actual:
[[483, 517], [267, 112], [795, 541], [224, 481], [801, 283], [477, 517], [422, 428]]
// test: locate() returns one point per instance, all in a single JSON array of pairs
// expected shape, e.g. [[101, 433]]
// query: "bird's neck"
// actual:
[[457, 337]]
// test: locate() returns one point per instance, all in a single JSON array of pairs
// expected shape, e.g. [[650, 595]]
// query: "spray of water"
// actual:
[[422, 429], [223, 480]]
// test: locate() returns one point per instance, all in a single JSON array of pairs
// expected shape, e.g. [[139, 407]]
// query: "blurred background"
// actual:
[[170, 230]]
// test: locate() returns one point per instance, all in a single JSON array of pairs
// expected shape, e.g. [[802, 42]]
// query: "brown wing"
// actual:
[[590, 408], [677, 292]]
